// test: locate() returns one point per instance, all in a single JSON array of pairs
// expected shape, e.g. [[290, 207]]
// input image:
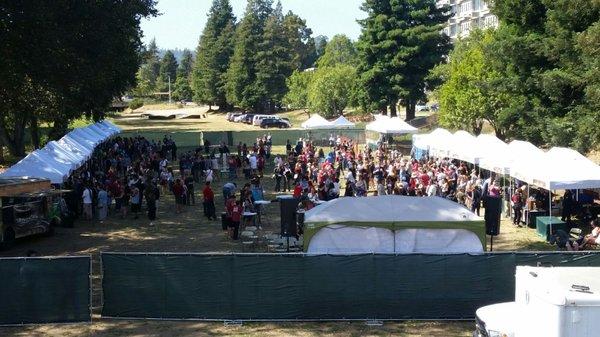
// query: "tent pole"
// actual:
[[510, 189], [550, 208]]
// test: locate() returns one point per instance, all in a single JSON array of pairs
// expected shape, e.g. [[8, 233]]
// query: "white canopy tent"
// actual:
[[528, 161], [391, 224], [391, 126], [316, 122], [432, 142], [58, 159], [34, 167], [342, 123], [64, 152], [566, 169], [462, 146]]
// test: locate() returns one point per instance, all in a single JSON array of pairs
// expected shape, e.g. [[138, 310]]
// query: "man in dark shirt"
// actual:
[[189, 183]]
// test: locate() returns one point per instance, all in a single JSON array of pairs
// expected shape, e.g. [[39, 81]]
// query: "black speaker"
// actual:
[[493, 208], [288, 208]]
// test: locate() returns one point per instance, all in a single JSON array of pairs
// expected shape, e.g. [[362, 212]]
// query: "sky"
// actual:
[[181, 21]]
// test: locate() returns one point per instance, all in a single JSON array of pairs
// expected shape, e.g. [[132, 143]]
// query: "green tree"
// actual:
[[186, 64], [320, 45], [300, 44], [331, 89], [298, 84], [471, 93], [399, 45], [340, 50], [167, 72], [241, 88], [273, 62], [182, 89], [538, 48], [213, 55], [56, 75]]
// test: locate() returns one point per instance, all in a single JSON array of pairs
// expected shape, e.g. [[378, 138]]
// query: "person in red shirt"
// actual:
[[297, 190], [209, 202], [236, 217], [179, 193]]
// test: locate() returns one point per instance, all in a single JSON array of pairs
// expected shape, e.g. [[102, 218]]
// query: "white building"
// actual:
[[468, 15]]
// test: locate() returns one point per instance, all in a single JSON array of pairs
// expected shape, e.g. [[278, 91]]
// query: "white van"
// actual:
[[259, 118], [549, 302]]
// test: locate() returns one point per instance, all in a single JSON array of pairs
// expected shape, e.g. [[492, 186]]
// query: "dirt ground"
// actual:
[[109, 328]]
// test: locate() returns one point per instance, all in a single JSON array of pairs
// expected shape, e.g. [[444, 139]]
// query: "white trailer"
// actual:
[[549, 302]]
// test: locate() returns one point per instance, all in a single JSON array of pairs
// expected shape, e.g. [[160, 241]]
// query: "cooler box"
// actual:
[[543, 226]]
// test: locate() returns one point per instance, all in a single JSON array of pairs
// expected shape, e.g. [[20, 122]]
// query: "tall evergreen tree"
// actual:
[[168, 71], [241, 85], [300, 42], [152, 59], [186, 64], [273, 62], [399, 45], [213, 55], [340, 50]]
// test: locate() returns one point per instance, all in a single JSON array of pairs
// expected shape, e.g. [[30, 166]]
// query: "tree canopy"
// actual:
[[63, 59], [213, 55], [399, 45], [539, 77]]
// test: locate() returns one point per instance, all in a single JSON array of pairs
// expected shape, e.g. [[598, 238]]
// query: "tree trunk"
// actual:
[[410, 109], [393, 109], [16, 143], [35, 131], [59, 129], [1, 153]]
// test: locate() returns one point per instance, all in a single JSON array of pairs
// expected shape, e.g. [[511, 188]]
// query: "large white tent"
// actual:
[[316, 122], [557, 169], [342, 123], [377, 224], [58, 159], [432, 142], [391, 126]]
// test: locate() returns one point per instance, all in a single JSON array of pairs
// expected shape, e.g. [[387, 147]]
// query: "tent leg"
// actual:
[[550, 208]]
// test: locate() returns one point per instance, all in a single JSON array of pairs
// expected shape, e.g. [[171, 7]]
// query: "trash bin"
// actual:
[[224, 221]]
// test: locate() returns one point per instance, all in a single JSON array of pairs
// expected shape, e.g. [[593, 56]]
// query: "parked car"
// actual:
[[422, 107], [274, 123], [258, 118], [239, 119], [248, 118], [232, 115]]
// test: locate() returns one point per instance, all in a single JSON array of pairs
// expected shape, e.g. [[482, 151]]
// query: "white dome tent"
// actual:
[[392, 224], [342, 123], [317, 122]]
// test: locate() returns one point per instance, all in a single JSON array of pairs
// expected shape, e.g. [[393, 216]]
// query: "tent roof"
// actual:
[[388, 125], [342, 122], [429, 141], [389, 209], [316, 122]]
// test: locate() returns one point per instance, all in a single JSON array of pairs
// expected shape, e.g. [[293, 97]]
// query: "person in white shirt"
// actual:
[[432, 189], [87, 203], [253, 163]]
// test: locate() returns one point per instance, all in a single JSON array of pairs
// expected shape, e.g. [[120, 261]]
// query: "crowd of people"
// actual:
[[132, 172]]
